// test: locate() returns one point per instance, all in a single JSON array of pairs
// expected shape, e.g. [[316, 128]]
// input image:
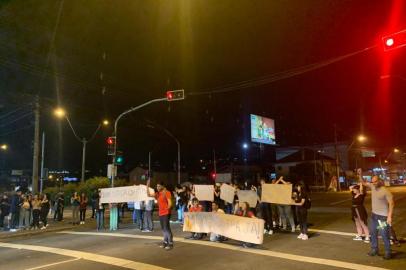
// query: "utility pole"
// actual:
[[42, 162], [337, 158], [84, 142], [36, 148]]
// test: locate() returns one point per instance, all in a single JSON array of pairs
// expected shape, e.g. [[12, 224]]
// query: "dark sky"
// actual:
[[143, 48]]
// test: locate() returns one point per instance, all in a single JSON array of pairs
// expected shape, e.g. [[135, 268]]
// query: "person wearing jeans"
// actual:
[[285, 211], [302, 204], [148, 224], [164, 198], [381, 218], [138, 214], [75, 201]]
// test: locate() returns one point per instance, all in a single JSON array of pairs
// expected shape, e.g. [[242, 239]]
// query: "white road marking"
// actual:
[[332, 232], [280, 255], [52, 264], [346, 200], [86, 256]]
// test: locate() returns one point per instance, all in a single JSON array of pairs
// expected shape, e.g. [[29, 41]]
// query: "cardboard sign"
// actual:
[[227, 193], [245, 229], [277, 193], [125, 194], [204, 192], [249, 196]]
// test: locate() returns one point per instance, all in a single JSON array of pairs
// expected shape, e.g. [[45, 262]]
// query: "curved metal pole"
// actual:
[[116, 124]]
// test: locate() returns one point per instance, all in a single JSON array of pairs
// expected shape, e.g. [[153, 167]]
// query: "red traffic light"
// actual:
[[213, 175], [173, 95], [394, 41], [111, 140], [169, 95]]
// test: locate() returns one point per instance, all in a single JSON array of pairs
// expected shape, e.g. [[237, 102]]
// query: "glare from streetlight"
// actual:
[[60, 113], [106, 122], [245, 145], [362, 138], [4, 147], [396, 150]]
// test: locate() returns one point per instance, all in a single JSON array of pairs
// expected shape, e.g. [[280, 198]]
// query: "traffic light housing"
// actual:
[[119, 160], [394, 41], [173, 95], [111, 142]]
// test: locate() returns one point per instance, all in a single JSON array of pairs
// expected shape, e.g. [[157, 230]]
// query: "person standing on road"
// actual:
[[99, 213], [83, 207], [15, 210], [148, 223], [75, 202], [382, 212], [5, 211], [36, 211], [45, 205], [285, 211], [359, 213], [265, 210], [163, 196], [302, 203]]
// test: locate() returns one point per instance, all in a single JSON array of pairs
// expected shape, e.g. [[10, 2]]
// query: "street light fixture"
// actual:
[[61, 113], [361, 138], [396, 150], [4, 147], [245, 145]]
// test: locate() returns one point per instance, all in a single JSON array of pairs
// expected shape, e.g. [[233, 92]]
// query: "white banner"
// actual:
[[249, 196], [125, 194], [244, 229], [227, 193], [204, 192], [277, 193]]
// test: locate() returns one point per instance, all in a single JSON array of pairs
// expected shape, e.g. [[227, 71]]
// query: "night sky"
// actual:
[[143, 48]]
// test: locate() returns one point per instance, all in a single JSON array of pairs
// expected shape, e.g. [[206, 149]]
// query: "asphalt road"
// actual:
[[329, 247]]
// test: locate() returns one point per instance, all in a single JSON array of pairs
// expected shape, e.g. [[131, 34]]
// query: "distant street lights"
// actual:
[[61, 113], [4, 147]]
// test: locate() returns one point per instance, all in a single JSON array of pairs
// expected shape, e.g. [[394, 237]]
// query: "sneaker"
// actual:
[[43, 228], [367, 240], [13, 230], [293, 229], [169, 247], [163, 245], [265, 231], [391, 242], [373, 253], [387, 256], [357, 238], [305, 237], [300, 236], [270, 232]]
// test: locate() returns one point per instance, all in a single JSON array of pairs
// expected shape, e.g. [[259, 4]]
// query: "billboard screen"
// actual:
[[262, 129]]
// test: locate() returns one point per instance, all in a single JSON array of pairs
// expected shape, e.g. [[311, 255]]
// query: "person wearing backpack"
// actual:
[[303, 203]]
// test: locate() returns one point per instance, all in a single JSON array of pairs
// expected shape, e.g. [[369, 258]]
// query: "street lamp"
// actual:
[[61, 113], [4, 147], [396, 150], [245, 145]]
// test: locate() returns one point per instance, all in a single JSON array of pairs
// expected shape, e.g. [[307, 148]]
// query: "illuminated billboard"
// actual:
[[262, 129]]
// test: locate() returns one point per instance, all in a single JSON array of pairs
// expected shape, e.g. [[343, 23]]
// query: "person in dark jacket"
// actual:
[[45, 206], [15, 210], [359, 213], [4, 210]]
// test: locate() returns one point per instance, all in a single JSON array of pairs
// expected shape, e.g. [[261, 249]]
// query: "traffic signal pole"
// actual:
[[113, 176]]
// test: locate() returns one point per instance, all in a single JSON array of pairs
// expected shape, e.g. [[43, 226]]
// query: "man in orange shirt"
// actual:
[[163, 196]]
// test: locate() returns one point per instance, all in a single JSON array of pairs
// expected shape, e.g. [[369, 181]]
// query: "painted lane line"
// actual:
[[275, 254], [332, 232], [339, 202], [86, 256], [53, 264]]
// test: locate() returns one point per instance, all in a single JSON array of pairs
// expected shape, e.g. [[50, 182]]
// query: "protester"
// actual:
[[244, 211], [181, 202], [75, 202], [163, 196], [36, 211], [148, 223], [15, 210], [285, 211], [45, 205], [215, 209], [25, 213], [266, 211], [99, 213], [4, 212], [83, 207], [382, 212], [94, 205], [302, 202], [195, 208], [359, 213], [138, 214], [60, 206]]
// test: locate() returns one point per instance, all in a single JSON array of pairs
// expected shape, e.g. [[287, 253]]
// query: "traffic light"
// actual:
[[111, 142], [213, 175], [394, 41], [173, 95], [119, 159]]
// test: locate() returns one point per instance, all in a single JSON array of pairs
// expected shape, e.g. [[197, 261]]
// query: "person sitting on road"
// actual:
[[244, 211], [215, 209], [359, 213], [195, 208]]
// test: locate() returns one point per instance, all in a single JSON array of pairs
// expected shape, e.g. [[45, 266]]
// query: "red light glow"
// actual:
[[389, 42]]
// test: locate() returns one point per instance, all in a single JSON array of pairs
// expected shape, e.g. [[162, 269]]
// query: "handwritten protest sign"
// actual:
[[248, 196], [125, 194], [245, 229], [204, 192], [275, 193], [227, 193]]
